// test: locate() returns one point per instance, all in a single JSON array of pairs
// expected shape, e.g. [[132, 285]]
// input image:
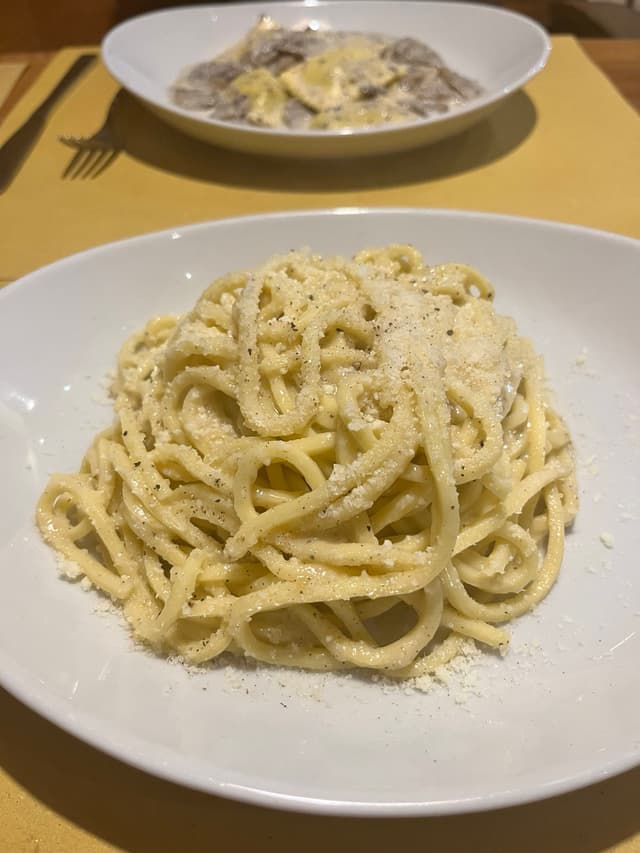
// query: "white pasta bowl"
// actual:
[[498, 49], [558, 711]]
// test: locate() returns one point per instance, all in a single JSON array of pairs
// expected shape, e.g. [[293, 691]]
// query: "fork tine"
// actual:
[[96, 166], [84, 170], [85, 156], [108, 160], [96, 155], [69, 172]]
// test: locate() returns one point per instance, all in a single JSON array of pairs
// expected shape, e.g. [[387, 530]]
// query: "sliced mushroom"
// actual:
[[410, 51], [214, 75], [193, 99]]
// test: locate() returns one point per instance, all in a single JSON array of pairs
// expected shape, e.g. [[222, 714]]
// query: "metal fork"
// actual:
[[95, 153]]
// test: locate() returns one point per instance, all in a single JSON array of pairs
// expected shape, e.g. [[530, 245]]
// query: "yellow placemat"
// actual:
[[9, 75], [565, 149]]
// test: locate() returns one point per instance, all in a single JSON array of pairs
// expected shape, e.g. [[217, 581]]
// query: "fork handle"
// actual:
[[69, 78]]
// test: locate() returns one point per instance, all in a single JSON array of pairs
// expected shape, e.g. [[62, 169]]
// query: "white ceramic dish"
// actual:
[[559, 711], [499, 49]]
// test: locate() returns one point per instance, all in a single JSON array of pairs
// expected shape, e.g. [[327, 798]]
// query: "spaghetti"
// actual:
[[326, 464]]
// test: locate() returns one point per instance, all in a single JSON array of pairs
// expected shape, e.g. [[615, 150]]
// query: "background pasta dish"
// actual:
[[310, 79]]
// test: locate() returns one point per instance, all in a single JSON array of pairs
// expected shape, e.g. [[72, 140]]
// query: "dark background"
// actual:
[[50, 24]]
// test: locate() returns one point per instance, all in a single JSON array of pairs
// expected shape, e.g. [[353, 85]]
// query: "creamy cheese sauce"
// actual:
[[306, 79]]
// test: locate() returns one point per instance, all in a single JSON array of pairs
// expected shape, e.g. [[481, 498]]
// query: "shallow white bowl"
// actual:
[[499, 49], [560, 710]]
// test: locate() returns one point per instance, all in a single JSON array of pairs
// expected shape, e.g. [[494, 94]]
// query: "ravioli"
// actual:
[[266, 96], [340, 75]]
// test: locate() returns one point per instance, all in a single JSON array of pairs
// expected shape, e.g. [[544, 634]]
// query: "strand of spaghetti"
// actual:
[[55, 533], [251, 400], [523, 601], [384, 557], [282, 594], [427, 605], [78, 487], [433, 661]]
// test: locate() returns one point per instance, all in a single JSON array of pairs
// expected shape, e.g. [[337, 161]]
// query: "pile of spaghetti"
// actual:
[[326, 464]]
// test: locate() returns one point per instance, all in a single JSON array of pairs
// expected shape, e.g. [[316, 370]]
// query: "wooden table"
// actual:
[[40, 817], [619, 59]]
